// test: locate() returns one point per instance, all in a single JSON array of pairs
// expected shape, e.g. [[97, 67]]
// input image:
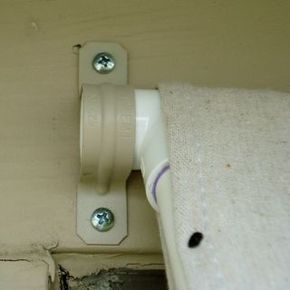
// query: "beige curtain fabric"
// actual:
[[230, 163]]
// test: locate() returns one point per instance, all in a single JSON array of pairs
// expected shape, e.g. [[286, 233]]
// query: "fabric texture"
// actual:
[[230, 164]]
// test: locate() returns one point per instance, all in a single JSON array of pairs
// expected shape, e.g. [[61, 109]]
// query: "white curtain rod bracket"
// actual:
[[121, 129]]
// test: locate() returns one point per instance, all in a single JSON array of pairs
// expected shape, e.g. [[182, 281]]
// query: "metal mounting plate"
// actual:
[[88, 199]]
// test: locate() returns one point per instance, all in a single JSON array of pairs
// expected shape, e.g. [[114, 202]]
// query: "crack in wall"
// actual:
[[15, 260]]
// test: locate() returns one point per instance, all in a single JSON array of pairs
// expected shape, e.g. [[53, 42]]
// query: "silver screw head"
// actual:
[[102, 219], [104, 63]]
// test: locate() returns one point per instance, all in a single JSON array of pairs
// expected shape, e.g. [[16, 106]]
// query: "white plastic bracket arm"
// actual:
[[107, 143]]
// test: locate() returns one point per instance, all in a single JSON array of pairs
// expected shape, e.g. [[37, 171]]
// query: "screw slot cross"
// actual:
[[103, 218], [104, 60]]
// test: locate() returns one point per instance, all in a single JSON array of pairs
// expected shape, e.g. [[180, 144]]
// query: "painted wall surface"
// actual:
[[207, 42]]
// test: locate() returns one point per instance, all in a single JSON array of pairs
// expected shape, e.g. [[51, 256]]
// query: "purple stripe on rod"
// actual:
[[161, 172]]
